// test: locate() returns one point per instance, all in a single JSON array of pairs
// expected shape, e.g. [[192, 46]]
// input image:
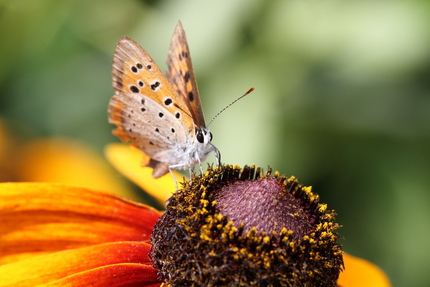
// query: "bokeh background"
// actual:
[[341, 100]]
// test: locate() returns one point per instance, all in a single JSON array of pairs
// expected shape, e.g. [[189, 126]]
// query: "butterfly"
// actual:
[[160, 114]]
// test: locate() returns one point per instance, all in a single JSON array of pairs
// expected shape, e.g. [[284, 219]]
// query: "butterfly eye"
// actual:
[[210, 136], [199, 136]]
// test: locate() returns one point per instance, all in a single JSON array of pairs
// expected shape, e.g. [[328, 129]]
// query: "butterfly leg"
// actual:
[[174, 178], [191, 170], [179, 166], [200, 164]]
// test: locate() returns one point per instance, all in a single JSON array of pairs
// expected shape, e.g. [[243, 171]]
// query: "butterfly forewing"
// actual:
[[135, 73], [181, 74]]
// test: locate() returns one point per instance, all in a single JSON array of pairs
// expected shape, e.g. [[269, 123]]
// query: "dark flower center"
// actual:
[[262, 204], [238, 227]]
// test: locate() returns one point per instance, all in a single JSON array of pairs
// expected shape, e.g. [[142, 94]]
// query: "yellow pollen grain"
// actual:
[[322, 207], [231, 234], [228, 225], [203, 211], [205, 237], [307, 189]]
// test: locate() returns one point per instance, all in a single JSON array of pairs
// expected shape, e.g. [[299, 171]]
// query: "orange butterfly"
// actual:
[[161, 116]]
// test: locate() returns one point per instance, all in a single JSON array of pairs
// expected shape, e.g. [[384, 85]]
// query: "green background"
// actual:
[[341, 100]]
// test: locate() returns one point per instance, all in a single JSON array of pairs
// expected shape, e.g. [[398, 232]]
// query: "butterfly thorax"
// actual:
[[194, 152]]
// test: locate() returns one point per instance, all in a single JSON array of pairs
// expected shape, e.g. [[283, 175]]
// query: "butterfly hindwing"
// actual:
[[147, 124]]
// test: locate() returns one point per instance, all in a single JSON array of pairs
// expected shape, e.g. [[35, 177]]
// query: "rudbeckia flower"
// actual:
[[57, 235]]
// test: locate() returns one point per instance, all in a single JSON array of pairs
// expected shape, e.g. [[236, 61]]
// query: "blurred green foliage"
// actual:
[[342, 98]]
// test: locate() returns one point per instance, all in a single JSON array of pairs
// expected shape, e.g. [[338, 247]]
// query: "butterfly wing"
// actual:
[[134, 116], [137, 118], [181, 75], [146, 109]]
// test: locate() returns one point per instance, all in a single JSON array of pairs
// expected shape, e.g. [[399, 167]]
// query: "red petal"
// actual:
[[125, 275], [40, 217], [102, 264]]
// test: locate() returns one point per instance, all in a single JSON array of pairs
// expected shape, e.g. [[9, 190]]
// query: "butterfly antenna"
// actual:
[[244, 95]]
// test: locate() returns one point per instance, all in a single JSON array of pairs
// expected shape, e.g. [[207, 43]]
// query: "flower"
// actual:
[[59, 235], [241, 227]]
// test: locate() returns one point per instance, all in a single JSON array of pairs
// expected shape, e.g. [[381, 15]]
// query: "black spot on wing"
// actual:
[[168, 102], [155, 85], [187, 77], [190, 96], [134, 89]]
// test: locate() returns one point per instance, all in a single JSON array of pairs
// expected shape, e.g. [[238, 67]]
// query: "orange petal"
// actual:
[[359, 272], [100, 264], [41, 217], [128, 161], [70, 162]]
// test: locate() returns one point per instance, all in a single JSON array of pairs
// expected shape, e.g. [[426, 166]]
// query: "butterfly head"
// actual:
[[204, 144], [203, 135]]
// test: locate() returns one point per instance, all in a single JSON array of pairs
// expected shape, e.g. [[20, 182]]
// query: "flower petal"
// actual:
[[40, 217], [127, 160], [112, 260], [70, 162], [359, 272], [113, 276]]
